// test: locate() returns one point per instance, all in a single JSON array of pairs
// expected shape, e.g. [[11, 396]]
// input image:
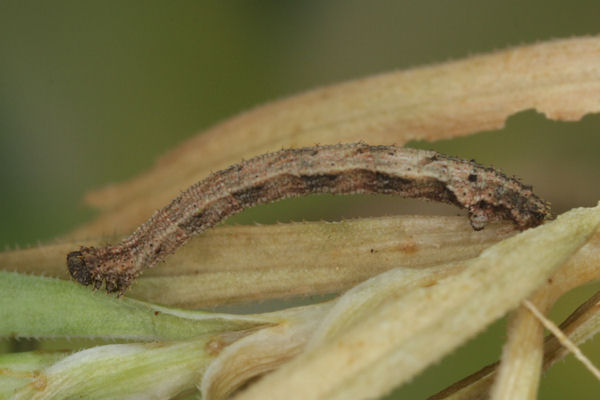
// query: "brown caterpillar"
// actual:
[[338, 169]]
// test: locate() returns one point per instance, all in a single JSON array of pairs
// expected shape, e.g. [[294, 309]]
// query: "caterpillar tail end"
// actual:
[[91, 266]]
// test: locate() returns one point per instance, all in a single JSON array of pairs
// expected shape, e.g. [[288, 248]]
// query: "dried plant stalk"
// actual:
[[559, 78], [562, 338], [581, 268], [519, 373], [580, 326]]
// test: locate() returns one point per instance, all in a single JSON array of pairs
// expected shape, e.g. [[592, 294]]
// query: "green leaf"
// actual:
[[34, 306]]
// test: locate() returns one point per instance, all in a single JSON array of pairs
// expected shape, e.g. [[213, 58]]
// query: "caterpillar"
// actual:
[[484, 192]]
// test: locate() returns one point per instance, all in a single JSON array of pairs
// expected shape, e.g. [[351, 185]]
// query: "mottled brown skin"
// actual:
[[339, 169]]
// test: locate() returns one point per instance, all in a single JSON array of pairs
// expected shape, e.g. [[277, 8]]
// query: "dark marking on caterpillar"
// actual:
[[339, 169]]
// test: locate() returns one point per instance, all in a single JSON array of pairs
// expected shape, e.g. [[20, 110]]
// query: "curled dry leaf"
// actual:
[[402, 336], [559, 78]]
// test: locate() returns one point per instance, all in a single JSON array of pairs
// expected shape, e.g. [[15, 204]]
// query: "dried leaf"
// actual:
[[559, 78], [244, 263]]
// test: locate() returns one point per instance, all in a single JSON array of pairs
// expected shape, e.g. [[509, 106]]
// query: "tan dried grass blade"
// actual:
[[244, 263], [559, 78]]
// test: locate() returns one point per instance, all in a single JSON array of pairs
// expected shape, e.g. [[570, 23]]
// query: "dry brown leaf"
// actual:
[[559, 78]]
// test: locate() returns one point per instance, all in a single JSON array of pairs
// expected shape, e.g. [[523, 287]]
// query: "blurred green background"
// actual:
[[93, 92]]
